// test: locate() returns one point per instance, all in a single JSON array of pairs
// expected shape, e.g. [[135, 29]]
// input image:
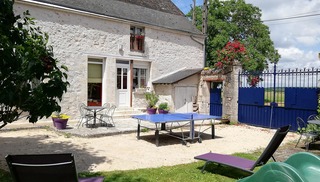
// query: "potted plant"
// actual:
[[60, 120], [225, 119], [152, 100], [163, 108]]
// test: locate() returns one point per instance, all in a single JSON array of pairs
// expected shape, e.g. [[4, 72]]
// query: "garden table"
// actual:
[[95, 109], [317, 122]]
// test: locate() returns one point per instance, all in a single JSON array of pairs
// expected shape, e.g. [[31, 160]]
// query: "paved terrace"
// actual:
[[122, 126]]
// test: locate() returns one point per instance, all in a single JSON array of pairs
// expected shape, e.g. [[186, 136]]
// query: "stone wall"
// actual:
[[229, 80]]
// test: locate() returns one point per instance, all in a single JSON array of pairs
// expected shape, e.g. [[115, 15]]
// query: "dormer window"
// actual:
[[137, 39]]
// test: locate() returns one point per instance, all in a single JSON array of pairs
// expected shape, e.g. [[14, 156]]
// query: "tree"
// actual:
[[234, 20], [30, 80]]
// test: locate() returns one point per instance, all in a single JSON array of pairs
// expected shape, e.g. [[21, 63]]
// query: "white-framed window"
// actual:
[[140, 74], [139, 78], [137, 36]]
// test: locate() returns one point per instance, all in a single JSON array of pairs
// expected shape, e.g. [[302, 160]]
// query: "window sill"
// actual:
[[140, 90], [134, 53]]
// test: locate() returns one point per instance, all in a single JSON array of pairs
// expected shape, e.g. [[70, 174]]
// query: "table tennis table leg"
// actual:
[[163, 126], [157, 137], [212, 131], [138, 131]]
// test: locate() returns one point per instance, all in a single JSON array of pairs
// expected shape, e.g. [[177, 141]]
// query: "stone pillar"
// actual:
[[204, 96], [230, 94]]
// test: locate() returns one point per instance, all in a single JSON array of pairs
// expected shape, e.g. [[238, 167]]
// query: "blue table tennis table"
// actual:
[[179, 120]]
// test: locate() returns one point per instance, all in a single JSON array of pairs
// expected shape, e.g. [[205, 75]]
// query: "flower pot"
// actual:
[[225, 121], [151, 110], [60, 123], [162, 111]]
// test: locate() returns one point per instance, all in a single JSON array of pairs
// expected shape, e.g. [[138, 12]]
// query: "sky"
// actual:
[[297, 40]]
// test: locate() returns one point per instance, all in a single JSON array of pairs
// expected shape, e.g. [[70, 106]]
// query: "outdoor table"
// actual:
[[95, 109], [182, 119], [317, 122]]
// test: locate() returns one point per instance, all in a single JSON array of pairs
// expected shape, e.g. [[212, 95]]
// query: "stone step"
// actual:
[[122, 113]]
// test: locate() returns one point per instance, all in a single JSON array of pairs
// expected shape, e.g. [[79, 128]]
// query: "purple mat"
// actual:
[[227, 160], [92, 179]]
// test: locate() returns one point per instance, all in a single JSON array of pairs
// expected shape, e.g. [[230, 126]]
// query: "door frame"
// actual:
[[123, 64]]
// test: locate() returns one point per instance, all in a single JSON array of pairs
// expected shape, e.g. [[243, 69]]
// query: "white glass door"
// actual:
[[123, 84]]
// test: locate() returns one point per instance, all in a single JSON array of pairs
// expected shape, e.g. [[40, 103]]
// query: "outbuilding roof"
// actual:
[[162, 13], [177, 76]]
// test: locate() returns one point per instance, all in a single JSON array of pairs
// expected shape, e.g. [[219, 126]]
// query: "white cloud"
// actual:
[[297, 40], [293, 57]]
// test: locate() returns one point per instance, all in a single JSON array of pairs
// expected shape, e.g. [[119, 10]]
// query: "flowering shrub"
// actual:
[[60, 116], [230, 52], [253, 80], [139, 36], [236, 51]]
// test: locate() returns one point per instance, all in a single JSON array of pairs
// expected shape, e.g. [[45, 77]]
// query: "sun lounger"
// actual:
[[45, 167], [246, 164]]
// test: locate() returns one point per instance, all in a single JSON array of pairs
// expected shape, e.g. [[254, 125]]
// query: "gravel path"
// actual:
[[124, 152]]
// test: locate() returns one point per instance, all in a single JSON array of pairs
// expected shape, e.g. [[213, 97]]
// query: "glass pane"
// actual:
[[135, 78], [95, 73], [125, 71], [143, 72], [118, 78], [125, 78], [143, 83]]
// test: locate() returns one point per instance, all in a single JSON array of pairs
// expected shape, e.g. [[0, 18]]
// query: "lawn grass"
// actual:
[[268, 97], [184, 172]]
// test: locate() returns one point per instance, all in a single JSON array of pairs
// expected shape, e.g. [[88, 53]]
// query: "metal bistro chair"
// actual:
[[85, 115], [303, 131], [104, 111], [313, 117], [107, 117]]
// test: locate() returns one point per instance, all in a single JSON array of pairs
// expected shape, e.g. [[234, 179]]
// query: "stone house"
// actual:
[[116, 50]]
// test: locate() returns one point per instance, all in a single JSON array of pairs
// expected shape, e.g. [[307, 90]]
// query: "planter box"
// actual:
[[151, 110], [59, 123], [161, 111]]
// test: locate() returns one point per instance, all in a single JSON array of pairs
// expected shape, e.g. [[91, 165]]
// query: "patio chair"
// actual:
[[304, 131], [107, 117], [85, 115], [45, 167], [104, 111], [313, 117], [246, 164]]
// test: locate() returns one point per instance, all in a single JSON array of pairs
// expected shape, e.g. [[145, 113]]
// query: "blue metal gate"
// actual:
[[215, 101], [278, 97]]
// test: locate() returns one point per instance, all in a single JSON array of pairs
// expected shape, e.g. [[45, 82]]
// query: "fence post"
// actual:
[[273, 103]]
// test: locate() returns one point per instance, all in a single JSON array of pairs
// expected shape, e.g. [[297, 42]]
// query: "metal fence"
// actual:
[[278, 95]]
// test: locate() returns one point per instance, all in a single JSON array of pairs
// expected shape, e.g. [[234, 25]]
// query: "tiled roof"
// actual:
[[160, 5], [162, 13], [177, 76]]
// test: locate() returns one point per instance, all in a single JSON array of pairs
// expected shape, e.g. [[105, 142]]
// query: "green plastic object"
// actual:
[[299, 167]]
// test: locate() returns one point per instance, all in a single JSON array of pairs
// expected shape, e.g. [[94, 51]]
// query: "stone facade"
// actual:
[[77, 36]]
